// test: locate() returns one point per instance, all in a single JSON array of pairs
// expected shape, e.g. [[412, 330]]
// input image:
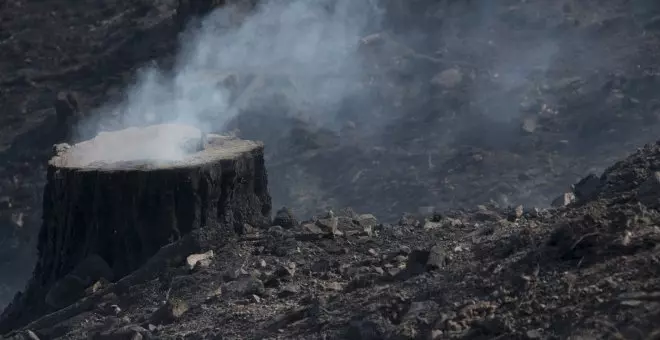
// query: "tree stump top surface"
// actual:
[[162, 146]]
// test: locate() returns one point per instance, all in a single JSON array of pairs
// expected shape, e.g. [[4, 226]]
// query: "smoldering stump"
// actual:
[[124, 211]]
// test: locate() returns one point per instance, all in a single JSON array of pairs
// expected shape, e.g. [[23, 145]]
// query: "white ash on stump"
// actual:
[[123, 195]]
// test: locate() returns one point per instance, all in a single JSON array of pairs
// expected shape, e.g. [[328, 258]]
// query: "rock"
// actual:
[[408, 220], [516, 214], [289, 290], [533, 334], [277, 231], [367, 221], [563, 200], [333, 286], [246, 229], [73, 285], [587, 187], [435, 334], [5, 203], [288, 270], [169, 312], [284, 218], [199, 260], [448, 78], [246, 287], [330, 226], [115, 310], [312, 228], [437, 258], [648, 192], [420, 261], [364, 330], [487, 216], [132, 332], [443, 222]]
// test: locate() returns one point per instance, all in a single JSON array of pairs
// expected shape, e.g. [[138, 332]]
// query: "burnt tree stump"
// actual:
[[123, 195]]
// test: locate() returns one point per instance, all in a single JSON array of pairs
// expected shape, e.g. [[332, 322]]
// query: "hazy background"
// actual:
[[389, 106]]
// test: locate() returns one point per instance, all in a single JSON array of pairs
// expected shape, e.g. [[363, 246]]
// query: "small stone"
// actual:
[[334, 286], [288, 270], [587, 187], [246, 287], [533, 334], [437, 258], [246, 229], [256, 298], [330, 226], [436, 334], [563, 200], [454, 326], [368, 222], [97, 286], [631, 303], [516, 214], [170, 311], [262, 263], [199, 260], [649, 191], [312, 228], [289, 290], [372, 252], [214, 293], [115, 309], [284, 218], [131, 332], [31, 335]]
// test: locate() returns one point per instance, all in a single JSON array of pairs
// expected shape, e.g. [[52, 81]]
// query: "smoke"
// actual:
[[306, 49], [426, 78]]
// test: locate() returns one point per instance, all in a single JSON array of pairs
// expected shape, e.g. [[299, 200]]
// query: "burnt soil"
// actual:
[[588, 270]]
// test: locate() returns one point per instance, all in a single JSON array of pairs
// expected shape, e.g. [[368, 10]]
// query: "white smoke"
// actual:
[[312, 45]]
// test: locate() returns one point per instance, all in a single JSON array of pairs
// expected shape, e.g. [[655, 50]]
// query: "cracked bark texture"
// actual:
[[125, 213]]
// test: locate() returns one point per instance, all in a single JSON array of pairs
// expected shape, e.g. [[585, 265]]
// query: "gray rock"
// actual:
[[563, 200], [246, 287], [169, 312], [648, 192], [437, 258], [284, 218], [132, 332], [587, 187]]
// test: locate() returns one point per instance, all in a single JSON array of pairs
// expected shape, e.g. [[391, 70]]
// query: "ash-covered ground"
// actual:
[[438, 106]]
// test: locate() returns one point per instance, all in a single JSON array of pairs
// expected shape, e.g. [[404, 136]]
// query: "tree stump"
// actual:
[[123, 195]]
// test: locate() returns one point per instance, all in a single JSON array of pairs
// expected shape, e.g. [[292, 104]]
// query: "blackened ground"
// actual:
[[476, 101], [586, 271]]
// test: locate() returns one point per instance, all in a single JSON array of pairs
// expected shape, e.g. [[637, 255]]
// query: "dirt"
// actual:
[[585, 271], [456, 126]]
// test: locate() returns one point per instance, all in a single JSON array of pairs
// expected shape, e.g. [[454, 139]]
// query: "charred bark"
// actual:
[[124, 212]]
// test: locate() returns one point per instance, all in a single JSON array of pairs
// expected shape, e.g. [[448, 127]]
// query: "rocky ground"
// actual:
[[495, 105], [588, 270]]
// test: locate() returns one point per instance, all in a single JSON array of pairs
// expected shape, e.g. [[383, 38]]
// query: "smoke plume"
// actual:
[[306, 49]]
